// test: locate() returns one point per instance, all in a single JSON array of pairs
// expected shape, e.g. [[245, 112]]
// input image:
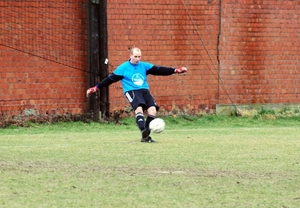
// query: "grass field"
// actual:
[[197, 162]]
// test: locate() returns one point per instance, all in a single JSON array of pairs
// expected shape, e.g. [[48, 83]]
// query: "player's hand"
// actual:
[[91, 90], [181, 70]]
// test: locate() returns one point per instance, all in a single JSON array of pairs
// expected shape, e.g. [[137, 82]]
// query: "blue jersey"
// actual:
[[134, 75]]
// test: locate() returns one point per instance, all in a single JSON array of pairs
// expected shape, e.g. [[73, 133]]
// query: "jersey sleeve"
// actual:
[[119, 71], [148, 65], [161, 70], [109, 80]]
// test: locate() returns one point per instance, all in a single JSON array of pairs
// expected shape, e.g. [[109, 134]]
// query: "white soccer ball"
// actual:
[[157, 125]]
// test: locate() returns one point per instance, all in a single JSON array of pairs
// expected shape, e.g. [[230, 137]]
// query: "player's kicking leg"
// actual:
[[146, 132]]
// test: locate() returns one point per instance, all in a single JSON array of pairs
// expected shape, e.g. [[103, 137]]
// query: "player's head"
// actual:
[[135, 55]]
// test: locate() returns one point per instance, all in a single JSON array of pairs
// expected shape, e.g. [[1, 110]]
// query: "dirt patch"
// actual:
[[25, 121], [37, 167]]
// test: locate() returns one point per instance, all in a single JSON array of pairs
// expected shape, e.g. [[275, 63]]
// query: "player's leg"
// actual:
[[139, 117], [152, 108], [146, 132], [141, 124], [136, 101], [151, 112]]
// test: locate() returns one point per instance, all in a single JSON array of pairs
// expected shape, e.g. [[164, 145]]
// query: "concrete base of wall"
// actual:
[[230, 110]]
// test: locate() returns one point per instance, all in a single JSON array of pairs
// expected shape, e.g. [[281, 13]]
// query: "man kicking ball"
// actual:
[[133, 75]]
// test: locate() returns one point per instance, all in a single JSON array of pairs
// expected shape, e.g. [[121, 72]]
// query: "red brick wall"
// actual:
[[169, 33], [31, 85], [42, 57], [255, 50], [259, 51]]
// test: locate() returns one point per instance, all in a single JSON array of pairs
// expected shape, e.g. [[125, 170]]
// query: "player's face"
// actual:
[[135, 57]]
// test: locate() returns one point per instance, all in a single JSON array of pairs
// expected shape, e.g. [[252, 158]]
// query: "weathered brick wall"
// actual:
[[237, 51], [42, 57], [34, 86], [169, 33], [259, 51]]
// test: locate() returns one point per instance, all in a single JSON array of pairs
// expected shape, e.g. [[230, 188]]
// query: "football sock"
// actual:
[[140, 120], [148, 120]]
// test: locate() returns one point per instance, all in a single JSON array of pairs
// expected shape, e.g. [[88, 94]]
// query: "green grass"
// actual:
[[197, 162]]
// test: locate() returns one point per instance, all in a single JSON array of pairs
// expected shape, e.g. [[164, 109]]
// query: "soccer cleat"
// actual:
[[148, 139], [146, 133]]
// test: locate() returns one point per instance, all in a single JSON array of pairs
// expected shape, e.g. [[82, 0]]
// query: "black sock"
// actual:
[[148, 120], [140, 121]]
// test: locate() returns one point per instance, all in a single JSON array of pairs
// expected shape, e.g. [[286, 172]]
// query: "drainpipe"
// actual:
[[218, 51]]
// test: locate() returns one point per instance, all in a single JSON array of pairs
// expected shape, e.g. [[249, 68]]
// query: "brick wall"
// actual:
[[42, 57], [259, 51], [169, 33], [34, 86], [237, 51]]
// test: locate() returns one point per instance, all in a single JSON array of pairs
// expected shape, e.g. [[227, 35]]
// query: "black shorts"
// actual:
[[141, 98]]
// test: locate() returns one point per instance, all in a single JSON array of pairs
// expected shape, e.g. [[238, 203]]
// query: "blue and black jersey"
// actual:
[[134, 76]]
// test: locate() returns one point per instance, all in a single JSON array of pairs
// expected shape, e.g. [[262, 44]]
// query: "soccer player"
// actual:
[[133, 75]]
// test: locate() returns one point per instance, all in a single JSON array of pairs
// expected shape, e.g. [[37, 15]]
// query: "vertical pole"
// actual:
[[93, 55], [218, 51], [103, 57]]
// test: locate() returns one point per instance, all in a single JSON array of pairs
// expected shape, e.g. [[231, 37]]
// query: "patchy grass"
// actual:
[[197, 162]]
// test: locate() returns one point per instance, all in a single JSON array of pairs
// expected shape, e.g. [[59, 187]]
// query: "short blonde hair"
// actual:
[[134, 49]]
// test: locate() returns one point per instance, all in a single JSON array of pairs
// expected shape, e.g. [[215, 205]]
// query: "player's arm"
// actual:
[[165, 71], [112, 78]]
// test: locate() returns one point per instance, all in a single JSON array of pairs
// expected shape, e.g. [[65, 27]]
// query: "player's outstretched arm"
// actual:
[[104, 83], [164, 71]]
